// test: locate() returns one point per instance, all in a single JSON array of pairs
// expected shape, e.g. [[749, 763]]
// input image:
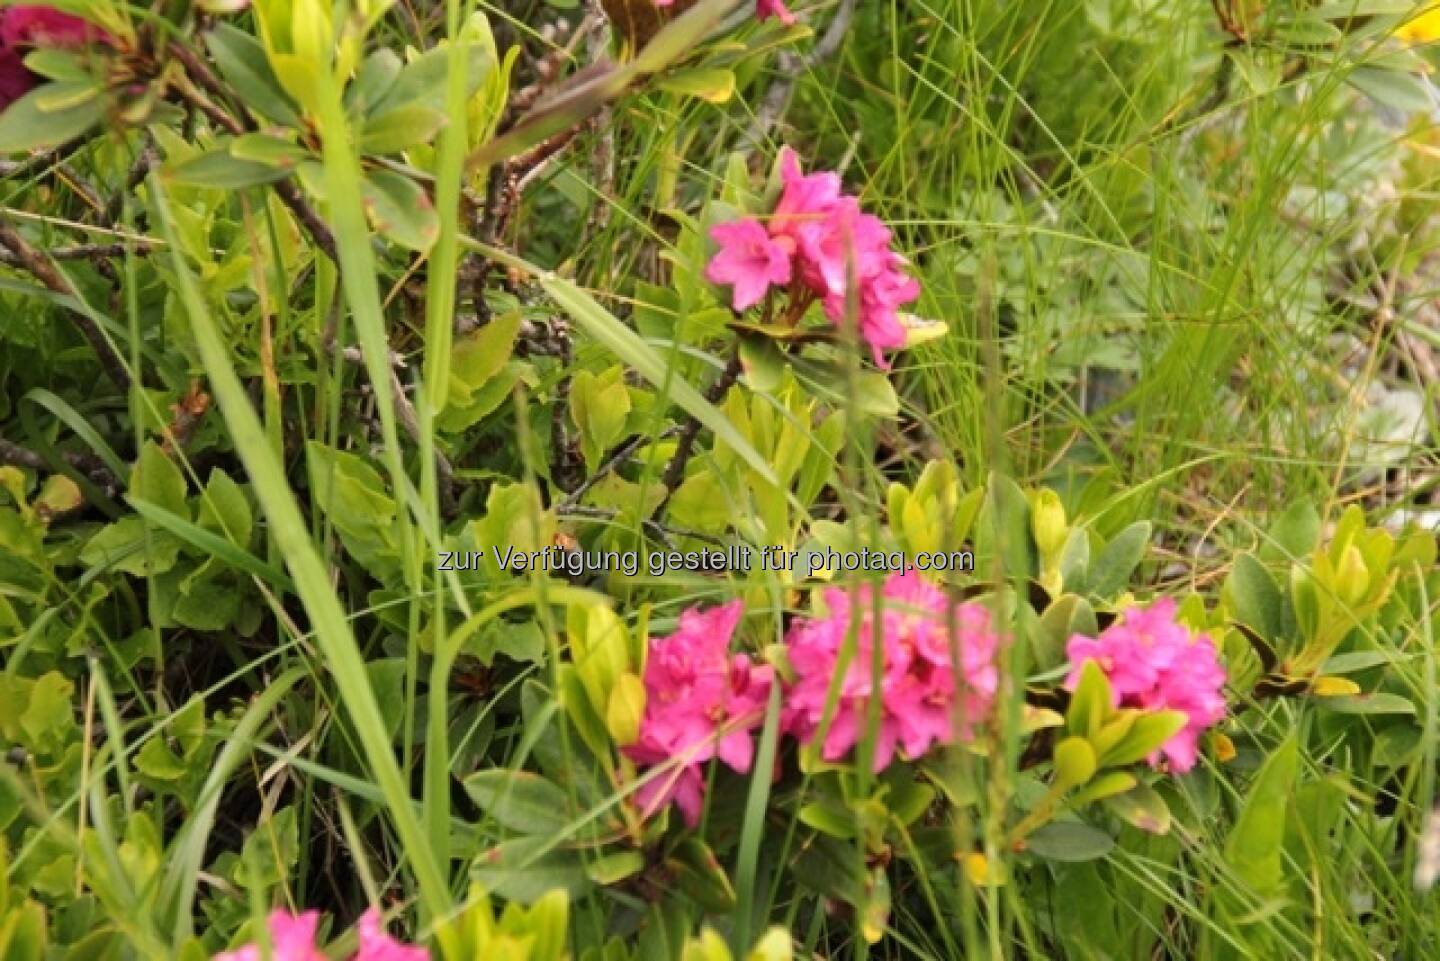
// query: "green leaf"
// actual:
[[1066, 616], [699, 874], [126, 546], [1150, 730], [829, 816], [1256, 596], [600, 407], [158, 481], [374, 79], [1090, 703], [1075, 561], [269, 150], [627, 345], [1403, 91], [526, 869], [712, 84], [224, 509], [1112, 568], [521, 801], [1293, 535], [49, 718], [400, 209], [1253, 848], [183, 530], [53, 63], [1107, 784], [1381, 702], [23, 933], [400, 129], [243, 63], [1069, 841], [219, 169], [206, 605], [353, 497], [1074, 763], [1007, 512], [387, 677], [1143, 808], [27, 124], [626, 707], [328, 619], [614, 868], [421, 82], [762, 362], [1354, 661]]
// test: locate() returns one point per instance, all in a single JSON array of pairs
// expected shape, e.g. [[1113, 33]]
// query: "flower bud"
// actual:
[[1074, 762], [1352, 578], [1047, 522]]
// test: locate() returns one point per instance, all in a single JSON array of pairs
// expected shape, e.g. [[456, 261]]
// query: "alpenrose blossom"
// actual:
[[749, 260], [1155, 663], [935, 686], [818, 244], [376, 945], [25, 27], [292, 938], [764, 9], [701, 702]]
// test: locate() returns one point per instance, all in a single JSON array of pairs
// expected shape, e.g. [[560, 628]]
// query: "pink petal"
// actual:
[[376, 945]]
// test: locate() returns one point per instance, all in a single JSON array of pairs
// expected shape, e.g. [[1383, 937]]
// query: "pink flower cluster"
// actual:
[[814, 243], [1154, 663], [763, 10], [292, 938], [25, 27], [700, 702], [703, 702], [930, 692]]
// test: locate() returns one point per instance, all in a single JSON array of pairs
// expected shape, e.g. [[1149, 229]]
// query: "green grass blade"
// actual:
[[332, 630]]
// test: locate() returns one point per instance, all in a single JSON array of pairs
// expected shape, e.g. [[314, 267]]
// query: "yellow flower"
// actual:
[[1424, 27]]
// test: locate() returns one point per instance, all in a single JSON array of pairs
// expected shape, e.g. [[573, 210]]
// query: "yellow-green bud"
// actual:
[[1047, 522], [1074, 762], [1352, 578]]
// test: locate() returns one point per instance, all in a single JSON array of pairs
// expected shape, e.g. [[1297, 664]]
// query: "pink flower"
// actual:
[[376, 945], [15, 80], [806, 200], [749, 260], [1153, 663], [927, 696], [292, 938], [28, 26], [763, 10], [881, 295], [701, 702], [773, 8], [826, 243]]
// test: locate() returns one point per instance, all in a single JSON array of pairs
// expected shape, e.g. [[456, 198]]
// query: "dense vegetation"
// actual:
[[1106, 331]]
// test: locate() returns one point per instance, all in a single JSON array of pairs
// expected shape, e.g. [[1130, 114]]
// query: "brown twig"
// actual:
[[44, 270], [143, 164], [619, 457], [792, 66], [675, 470], [86, 252], [200, 88], [16, 456]]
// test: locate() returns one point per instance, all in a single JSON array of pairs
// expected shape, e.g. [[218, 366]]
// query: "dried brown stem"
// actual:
[[675, 470], [16, 456], [201, 89], [43, 269]]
